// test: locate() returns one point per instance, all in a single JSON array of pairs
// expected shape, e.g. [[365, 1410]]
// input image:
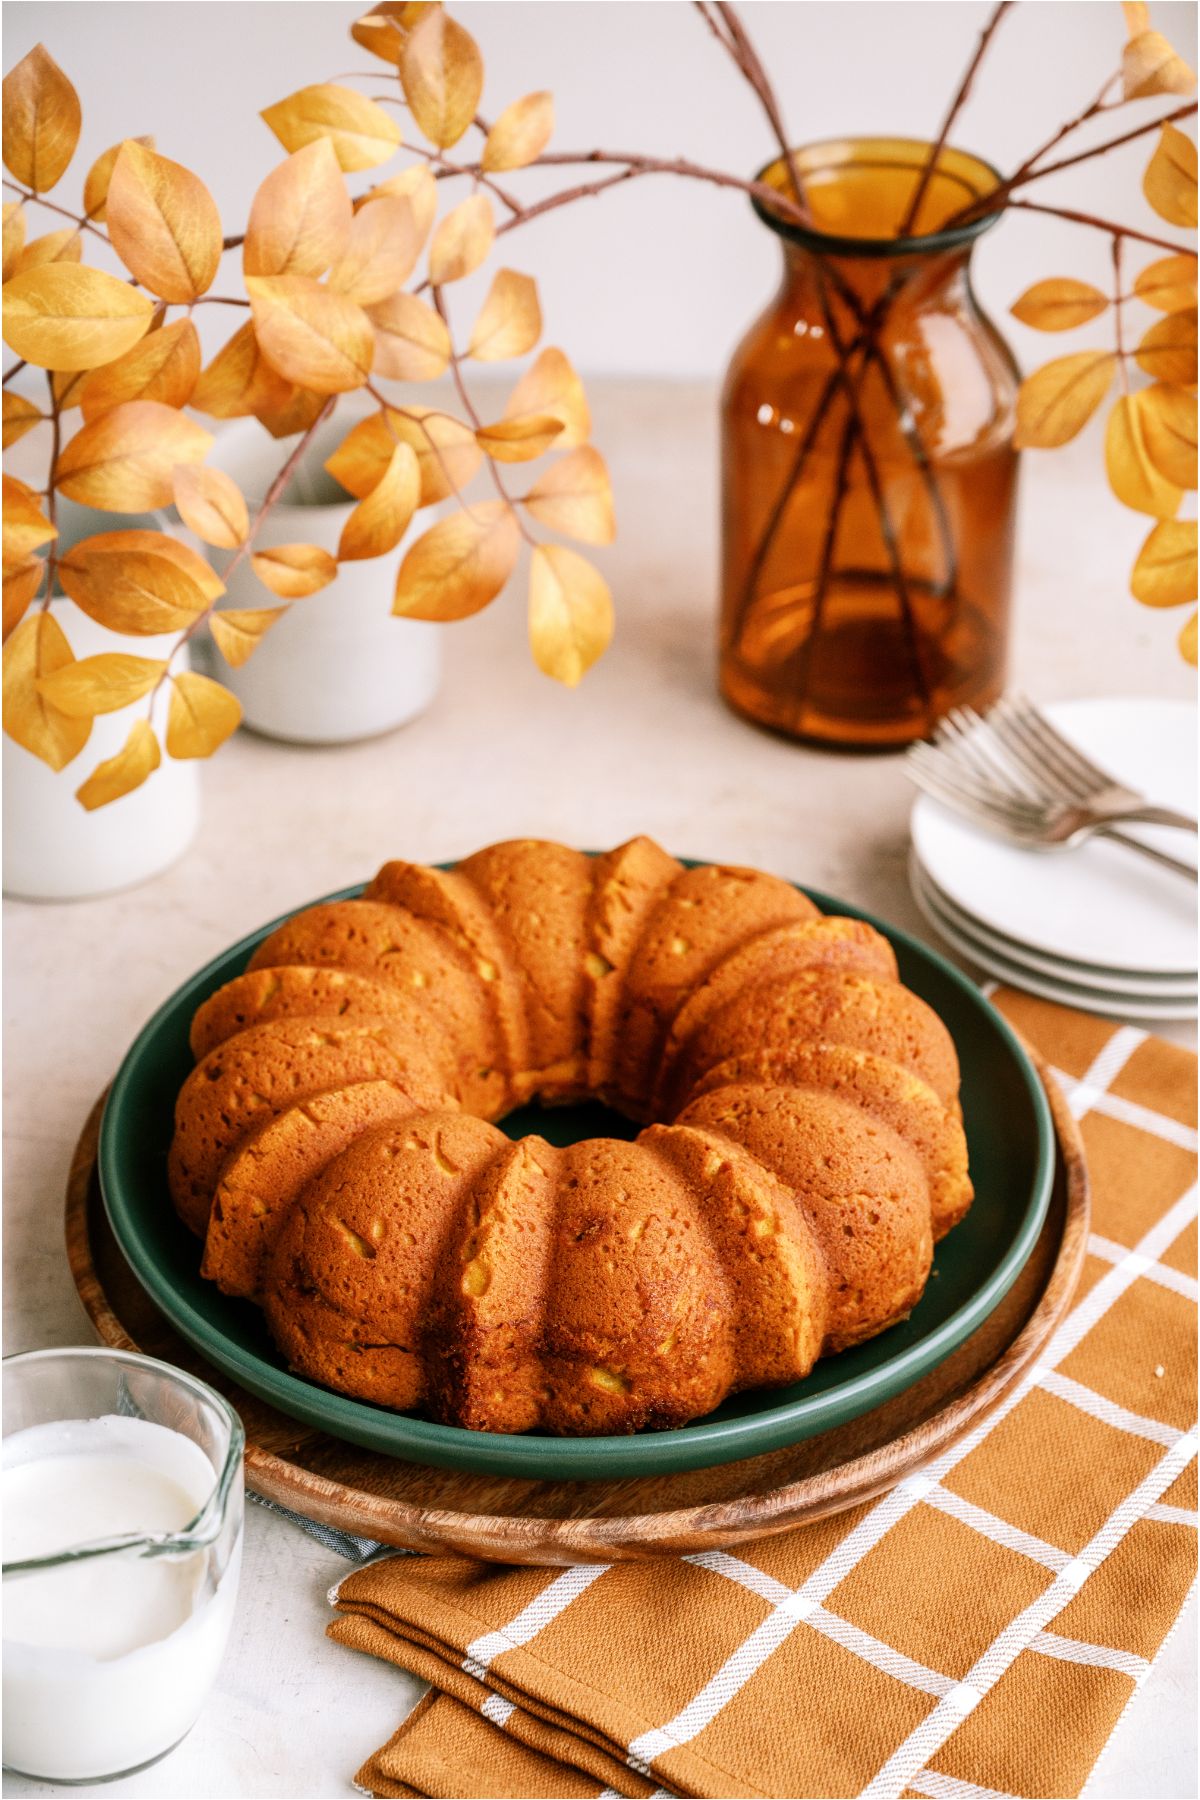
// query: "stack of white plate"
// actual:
[[1098, 927]]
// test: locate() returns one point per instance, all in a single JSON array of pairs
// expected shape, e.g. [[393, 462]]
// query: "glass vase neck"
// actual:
[[850, 281], [877, 199]]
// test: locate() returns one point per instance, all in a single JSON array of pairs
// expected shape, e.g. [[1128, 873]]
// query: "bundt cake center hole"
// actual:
[[564, 1125]]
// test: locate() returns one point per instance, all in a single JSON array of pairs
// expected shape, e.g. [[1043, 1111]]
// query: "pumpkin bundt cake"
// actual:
[[335, 1144]]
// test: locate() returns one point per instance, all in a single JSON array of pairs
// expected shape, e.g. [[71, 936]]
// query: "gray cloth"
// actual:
[[354, 1549]]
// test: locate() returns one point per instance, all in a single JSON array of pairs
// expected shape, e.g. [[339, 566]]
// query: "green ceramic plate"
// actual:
[[1012, 1161]]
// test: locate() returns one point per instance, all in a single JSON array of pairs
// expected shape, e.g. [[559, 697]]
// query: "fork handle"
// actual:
[[1153, 815], [1158, 856]]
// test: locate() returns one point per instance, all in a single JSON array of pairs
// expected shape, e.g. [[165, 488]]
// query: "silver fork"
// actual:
[[1017, 774]]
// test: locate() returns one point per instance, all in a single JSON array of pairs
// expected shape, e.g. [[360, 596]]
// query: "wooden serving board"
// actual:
[[557, 1522]]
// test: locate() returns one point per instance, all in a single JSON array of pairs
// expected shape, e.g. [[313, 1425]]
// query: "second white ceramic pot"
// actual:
[[338, 666]]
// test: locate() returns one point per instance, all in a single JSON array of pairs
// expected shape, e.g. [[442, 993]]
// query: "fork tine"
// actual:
[[935, 766], [1057, 775], [1037, 765], [998, 813], [979, 746], [1055, 743]]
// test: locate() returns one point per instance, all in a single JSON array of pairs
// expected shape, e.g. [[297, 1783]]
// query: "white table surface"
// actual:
[[643, 745]]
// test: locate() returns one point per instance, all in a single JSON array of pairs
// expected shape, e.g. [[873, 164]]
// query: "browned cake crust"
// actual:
[[704, 915], [334, 1140], [245, 1082], [883, 1089], [843, 946], [820, 1007], [859, 1184], [266, 1172], [391, 945], [626, 886], [448, 901], [369, 1258], [295, 991], [539, 895]]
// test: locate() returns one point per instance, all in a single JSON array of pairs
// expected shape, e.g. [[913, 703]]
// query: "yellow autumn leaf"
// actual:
[[1169, 285], [1165, 571], [66, 385], [100, 684], [550, 385], [119, 775], [1137, 16], [288, 409], [363, 135], [21, 586], [361, 459], [382, 30], [418, 187], [510, 320], [42, 117], [26, 527], [1059, 304], [20, 416], [1169, 183], [123, 460], [37, 648], [574, 496], [459, 565], [1169, 428], [237, 379], [462, 241], [54, 246], [1057, 400], [411, 340], [445, 449], [319, 339], [380, 520], [380, 253], [1187, 641], [211, 505], [95, 182], [1131, 473], [300, 216], [441, 72], [163, 224], [139, 583], [1150, 65], [65, 316], [202, 715], [14, 236], [518, 440], [238, 631], [294, 570], [520, 134], [164, 366], [570, 613], [1168, 350]]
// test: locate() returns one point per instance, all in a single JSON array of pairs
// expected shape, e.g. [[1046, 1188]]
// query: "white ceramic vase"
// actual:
[[338, 666], [53, 848]]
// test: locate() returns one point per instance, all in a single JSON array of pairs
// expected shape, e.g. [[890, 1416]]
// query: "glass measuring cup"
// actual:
[[113, 1636]]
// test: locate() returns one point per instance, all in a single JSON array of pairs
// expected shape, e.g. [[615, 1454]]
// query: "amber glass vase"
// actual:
[[869, 496]]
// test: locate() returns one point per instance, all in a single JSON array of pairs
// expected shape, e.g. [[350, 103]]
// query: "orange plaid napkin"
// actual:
[[976, 1632]]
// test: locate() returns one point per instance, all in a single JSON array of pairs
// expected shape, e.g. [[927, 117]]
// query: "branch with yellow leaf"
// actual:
[[1165, 573], [335, 287], [332, 286]]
